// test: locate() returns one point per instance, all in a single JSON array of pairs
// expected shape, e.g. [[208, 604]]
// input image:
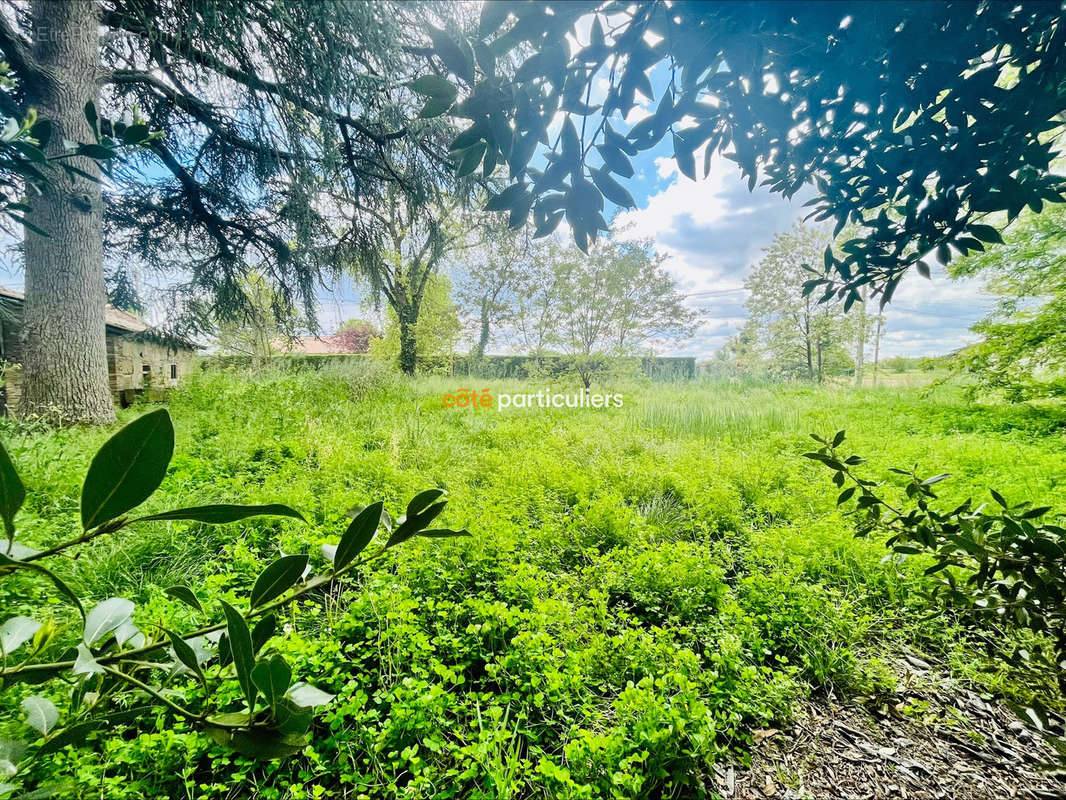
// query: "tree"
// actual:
[[1023, 351], [355, 335], [254, 106], [911, 120], [613, 301], [799, 336], [419, 234], [436, 331], [494, 270], [536, 301], [265, 321]]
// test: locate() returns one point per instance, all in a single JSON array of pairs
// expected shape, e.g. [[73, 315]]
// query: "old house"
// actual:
[[138, 357]]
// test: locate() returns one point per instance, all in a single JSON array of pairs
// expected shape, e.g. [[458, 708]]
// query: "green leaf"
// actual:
[[413, 525], [277, 579], [435, 107], [135, 134], [470, 160], [493, 14], [998, 498], [453, 54], [612, 189], [92, 118], [986, 233], [42, 131], [838, 439], [1033, 513], [86, 663], [434, 86], [423, 500], [12, 492], [41, 713], [70, 735], [97, 152], [615, 160], [358, 535], [273, 678], [240, 646], [936, 479], [308, 696], [185, 595], [8, 563], [186, 655], [443, 533], [262, 631], [127, 469], [224, 513], [105, 617], [15, 632], [260, 743], [291, 718], [683, 155], [845, 495]]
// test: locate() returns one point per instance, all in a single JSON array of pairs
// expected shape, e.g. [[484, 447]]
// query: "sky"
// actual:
[[712, 232]]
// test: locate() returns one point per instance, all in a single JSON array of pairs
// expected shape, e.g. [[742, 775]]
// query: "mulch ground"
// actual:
[[930, 741]]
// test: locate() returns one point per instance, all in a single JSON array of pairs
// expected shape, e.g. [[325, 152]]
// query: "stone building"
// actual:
[[138, 358]]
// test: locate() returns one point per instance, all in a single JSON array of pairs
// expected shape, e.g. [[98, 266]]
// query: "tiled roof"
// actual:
[[116, 318], [312, 345]]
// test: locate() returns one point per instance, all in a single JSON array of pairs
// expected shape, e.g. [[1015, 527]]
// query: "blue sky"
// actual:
[[712, 232]]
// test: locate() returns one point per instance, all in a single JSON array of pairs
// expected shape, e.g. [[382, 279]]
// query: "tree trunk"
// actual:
[[860, 343], [877, 348], [821, 375], [64, 348], [408, 318], [807, 344], [483, 338]]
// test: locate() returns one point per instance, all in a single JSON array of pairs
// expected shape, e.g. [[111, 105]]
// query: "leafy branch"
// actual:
[[113, 655], [997, 562]]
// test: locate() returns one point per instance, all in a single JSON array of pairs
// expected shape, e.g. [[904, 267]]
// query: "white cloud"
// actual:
[[713, 230]]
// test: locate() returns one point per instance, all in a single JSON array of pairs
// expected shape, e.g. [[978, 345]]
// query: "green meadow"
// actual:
[[644, 587]]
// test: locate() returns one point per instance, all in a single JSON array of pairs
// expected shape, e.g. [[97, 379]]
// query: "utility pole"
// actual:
[[877, 345], [860, 341]]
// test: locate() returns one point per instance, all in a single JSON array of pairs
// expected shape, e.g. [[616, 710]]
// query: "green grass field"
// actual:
[[645, 587]]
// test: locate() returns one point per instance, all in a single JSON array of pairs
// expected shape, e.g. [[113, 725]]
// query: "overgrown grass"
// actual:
[[646, 585]]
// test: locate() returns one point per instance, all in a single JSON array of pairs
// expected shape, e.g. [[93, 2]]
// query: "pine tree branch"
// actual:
[[17, 52], [246, 78], [201, 111]]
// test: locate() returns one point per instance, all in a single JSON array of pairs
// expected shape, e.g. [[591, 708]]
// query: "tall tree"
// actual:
[[911, 120], [265, 322], [418, 233], [613, 301], [493, 270], [64, 356], [256, 99], [437, 329], [797, 335], [1022, 354]]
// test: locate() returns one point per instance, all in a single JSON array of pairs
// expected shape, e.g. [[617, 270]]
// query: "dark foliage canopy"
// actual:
[[912, 120], [262, 105]]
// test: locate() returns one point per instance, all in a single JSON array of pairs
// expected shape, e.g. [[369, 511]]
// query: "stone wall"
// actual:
[[134, 364]]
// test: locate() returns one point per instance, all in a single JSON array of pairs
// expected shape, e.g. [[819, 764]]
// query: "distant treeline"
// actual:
[[659, 368]]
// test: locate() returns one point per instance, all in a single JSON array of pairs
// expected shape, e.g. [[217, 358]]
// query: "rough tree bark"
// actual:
[[64, 348]]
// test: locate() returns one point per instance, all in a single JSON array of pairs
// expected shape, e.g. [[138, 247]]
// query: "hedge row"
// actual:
[[660, 368]]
